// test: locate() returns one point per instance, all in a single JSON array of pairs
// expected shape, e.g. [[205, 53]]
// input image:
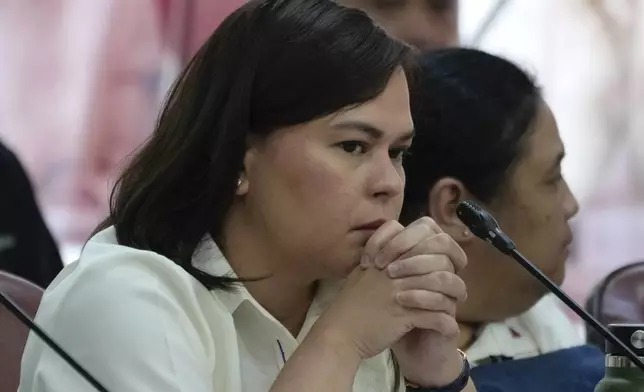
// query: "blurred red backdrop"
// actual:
[[82, 82]]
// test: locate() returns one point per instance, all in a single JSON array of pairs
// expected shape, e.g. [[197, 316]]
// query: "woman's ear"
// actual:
[[443, 199], [253, 146], [242, 185]]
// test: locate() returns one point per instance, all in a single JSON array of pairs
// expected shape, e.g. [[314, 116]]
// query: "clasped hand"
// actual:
[[404, 296]]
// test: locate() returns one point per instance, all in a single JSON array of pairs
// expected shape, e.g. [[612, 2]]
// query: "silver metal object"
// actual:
[[637, 339], [613, 361]]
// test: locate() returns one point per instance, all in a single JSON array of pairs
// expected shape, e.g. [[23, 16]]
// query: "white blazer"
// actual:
[[140, 323]]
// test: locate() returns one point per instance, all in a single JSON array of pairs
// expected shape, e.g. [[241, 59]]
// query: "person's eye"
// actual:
[[399, 154], [556, 179], [354, 147]]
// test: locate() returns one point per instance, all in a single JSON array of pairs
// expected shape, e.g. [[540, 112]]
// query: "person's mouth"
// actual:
[[371, 226]]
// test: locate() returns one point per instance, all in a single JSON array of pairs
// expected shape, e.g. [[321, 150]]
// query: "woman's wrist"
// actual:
[[455, 371], [335, 342]]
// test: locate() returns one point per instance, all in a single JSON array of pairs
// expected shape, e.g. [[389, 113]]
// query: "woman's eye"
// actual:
[[554, 182], [353, 147], [398, 154]]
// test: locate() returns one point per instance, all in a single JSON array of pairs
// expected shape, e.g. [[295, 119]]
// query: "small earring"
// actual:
[[239, 182], [466, 233]]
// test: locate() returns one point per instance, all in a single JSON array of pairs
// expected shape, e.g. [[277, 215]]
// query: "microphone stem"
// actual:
[[587, 317], [22, 316]]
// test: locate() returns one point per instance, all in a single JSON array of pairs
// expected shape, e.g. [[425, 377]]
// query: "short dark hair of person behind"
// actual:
[[27, 248], [272, 64], [472, 112]]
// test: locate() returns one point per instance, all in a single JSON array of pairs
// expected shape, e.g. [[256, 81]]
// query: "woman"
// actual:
[[275, 167], [491, 137]]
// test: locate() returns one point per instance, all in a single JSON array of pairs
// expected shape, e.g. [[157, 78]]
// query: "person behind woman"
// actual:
[[425, 24], [274, 169], [485, 133], [27, 248]]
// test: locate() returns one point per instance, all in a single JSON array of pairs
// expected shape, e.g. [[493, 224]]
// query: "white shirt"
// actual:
[[542, 329], [138, 322]]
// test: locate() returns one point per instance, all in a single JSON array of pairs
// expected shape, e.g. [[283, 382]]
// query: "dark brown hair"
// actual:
[[271, 64], [472, 112]]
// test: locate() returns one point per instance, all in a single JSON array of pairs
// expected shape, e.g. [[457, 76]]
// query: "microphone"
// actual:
[[24, 319], [484, 226]]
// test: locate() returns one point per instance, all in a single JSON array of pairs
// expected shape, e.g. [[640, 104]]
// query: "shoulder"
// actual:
[[109, 272], [128, 313], [110, 280]]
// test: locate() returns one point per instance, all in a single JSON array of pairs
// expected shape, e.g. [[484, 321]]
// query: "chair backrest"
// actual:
[[619, 298], [13, 334]]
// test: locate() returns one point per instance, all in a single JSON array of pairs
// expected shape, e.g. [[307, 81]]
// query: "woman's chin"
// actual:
[[342, 271], [558, 276]]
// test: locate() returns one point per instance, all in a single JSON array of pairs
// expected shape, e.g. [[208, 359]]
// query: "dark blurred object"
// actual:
[[13, 334], [27, 248], [618, 299]]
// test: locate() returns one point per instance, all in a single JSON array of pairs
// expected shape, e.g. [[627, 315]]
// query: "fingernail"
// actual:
[[378, 261], [392, 269], [364, 261]]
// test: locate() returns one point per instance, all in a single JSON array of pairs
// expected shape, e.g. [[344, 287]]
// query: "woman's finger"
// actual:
[[377, 241], [440, 282], [441, 322], [427, 300], [439, 244], [406, 240], [420, 265]]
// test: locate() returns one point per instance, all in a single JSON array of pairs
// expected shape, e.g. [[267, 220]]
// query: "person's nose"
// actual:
[[386, 178], [571, 205]]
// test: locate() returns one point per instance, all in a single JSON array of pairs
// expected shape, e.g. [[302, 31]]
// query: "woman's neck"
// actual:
[[286, 294], [287, 303]]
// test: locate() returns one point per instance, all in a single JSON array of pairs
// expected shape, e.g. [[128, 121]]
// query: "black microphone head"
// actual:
[[483, 225], [479, 221]]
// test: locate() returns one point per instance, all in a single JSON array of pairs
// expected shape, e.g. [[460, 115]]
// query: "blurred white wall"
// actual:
[[588, 57]]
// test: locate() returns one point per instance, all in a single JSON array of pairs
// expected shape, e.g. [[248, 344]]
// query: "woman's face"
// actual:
[[312, 194], [535, 212]]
